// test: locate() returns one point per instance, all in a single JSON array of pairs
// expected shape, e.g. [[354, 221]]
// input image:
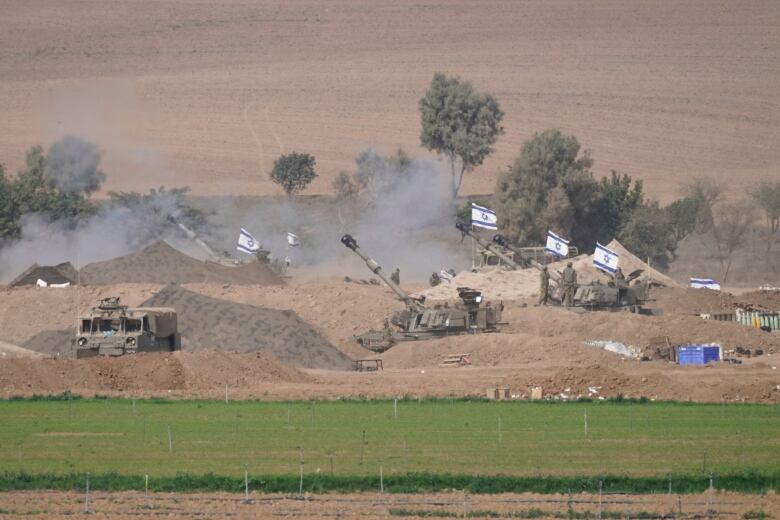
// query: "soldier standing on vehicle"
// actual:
[[569, 284], [387, 335], [619, 274], [396, 276], [544, 286]]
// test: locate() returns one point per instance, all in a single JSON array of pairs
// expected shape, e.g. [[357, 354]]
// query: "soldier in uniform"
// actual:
[[395, 276], [544, 286], [434, 280], [387, 335], [619, 274], [569, 284]]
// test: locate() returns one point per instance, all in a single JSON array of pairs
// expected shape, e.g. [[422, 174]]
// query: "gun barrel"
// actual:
[[375, 268], [463, 228], [194, 237]]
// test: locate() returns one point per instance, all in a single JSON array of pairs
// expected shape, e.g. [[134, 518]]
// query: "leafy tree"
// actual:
[[684, 215], [293, 172], [376, 174], [160, 205], [648, 234], [730, 226], [33, 192], [344, 186], [9, 223], [617, 201], [706, 192], [549, 186], [459, 123], [767, 197]]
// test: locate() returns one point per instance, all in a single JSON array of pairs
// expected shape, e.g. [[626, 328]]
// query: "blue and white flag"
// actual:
[[704, 283], [605, 259], [483, 217], [445, 276], [556, 245], [247, 243]]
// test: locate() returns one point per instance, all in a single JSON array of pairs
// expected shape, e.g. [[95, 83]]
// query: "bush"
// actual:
[[293, 172]]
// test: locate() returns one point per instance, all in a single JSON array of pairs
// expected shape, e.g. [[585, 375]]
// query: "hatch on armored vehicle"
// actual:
[[112, 329], [418, 321]]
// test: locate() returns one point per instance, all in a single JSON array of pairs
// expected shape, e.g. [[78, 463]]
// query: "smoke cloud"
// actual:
[[73, 165]]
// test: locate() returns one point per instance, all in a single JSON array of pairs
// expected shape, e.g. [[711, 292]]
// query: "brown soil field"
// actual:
[[537, 347], [208, 94], [55, 505]]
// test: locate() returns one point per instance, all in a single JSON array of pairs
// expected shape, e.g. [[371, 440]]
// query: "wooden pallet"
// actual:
[[456, 360]]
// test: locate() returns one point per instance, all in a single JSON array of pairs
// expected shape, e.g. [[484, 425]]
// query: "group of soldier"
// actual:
[[569, 285]]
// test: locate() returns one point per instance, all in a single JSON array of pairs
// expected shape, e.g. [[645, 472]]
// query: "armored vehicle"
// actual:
[[112, 329], [418, 321], [615, 295]]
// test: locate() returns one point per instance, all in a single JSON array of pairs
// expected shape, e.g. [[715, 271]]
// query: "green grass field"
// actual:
[[355, 438]]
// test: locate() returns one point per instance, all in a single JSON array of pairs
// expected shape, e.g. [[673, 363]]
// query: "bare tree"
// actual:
[[767, 196], [705, 192], [730, 225]]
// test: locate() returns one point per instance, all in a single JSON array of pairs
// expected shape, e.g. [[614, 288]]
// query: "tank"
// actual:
[[615, 295], [113, 329], [419, 321]]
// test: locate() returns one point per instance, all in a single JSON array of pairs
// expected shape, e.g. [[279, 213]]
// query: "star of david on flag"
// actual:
[[605, 259], [247, 243], [556, 245], [483, 217]]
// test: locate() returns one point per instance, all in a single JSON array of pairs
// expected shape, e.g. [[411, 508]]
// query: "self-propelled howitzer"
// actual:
[[420, 321]]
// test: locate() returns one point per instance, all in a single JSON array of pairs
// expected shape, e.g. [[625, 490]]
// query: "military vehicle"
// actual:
[[113, 329], [615, 295], [418, 321]]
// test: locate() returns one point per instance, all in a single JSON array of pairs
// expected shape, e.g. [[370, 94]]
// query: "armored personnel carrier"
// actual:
[[418, 321], [112, 329]]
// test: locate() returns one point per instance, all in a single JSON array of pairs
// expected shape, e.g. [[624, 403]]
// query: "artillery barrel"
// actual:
[[375, 268], [194, 237], [500, 240], [463, 228]]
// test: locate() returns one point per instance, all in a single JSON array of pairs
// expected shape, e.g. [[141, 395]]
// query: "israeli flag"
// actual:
[[704, 283], [445, 276], [556, 245], [247, 243], [483, 217], [293, 240], [605, 259]]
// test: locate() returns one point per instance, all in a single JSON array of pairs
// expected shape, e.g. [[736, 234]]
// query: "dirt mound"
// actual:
[[63, 273], [524, 283], [144, 374], [160, 263], [209, 324], [682, 300]]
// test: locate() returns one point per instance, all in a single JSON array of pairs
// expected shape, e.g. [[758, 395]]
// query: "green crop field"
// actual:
[[353, 438]]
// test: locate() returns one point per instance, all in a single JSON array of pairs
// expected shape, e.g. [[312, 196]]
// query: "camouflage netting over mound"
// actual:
[[207, 323], [51, 274], [161, 263]]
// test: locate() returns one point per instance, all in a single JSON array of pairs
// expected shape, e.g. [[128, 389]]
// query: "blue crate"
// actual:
[[697, 354]]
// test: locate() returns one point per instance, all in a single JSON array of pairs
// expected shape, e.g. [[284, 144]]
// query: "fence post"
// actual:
[[381, 478], [586, 422], [246, 484], [226, 393], [146, 491], [395, 408], [499, 428], [300, 484], [86, 498], [170, 440]]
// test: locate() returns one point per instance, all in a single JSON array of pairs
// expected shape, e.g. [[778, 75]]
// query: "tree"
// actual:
[[459, 123], [730, 226], [9, 222], [293, 172], [549, 186], [684, 215], [648, 234], [344, 187], [767, 196], [706, 192], [617, 201], [376, 174]]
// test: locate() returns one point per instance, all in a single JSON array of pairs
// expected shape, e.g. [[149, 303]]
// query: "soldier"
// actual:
[[544, 286], [434, 280], [396, 276], [569, 284], [387, 334], [619, 274]]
